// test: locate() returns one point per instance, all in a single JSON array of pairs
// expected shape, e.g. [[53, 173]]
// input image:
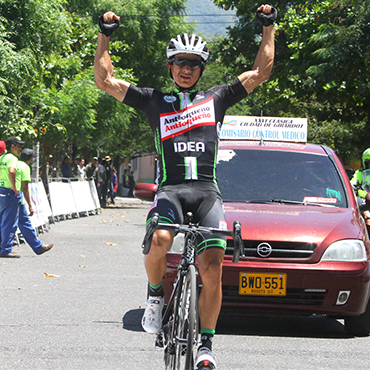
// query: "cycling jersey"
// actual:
[[186, 128]]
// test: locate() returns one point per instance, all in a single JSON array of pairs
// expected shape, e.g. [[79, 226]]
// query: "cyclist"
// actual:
[[186, 123]]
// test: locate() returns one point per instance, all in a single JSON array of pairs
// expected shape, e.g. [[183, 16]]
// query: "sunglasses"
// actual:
[[192, 63]]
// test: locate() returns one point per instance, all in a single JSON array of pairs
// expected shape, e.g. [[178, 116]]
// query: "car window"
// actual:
[[264, 175]]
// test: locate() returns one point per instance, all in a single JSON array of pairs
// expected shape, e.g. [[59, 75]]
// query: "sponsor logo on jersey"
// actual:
[[222, 225], [171, 213], [154, 205], [190, 146], [176, 123], [170, 98]]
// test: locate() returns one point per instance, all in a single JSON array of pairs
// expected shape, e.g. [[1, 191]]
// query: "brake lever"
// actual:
[[147, 242], [238, 242]]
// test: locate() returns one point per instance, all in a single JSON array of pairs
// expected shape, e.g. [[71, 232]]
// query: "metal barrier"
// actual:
[[67, 198], [73, 197]]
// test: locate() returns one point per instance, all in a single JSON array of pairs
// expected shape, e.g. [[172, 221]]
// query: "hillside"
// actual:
[[209, 19]]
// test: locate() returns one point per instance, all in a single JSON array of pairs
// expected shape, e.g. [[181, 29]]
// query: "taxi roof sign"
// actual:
[[265, 128]]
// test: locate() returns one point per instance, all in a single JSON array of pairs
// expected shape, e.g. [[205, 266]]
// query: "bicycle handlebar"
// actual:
[[235, 234]]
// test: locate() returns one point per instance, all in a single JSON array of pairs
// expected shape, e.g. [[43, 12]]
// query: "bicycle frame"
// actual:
[[175, 337]]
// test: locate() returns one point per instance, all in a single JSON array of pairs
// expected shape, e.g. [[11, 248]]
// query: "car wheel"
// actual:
[[358, 326]]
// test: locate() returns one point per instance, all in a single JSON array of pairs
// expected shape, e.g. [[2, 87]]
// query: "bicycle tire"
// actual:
[[192, 330], [185, 329], [171, 352]]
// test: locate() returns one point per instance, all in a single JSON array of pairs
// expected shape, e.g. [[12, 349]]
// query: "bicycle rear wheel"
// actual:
[[185, 325]]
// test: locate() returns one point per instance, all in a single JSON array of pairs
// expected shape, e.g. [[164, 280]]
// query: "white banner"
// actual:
[[61, 198], [69, 198], [269, 128], [83, 198], [94, 194], [40, 204]]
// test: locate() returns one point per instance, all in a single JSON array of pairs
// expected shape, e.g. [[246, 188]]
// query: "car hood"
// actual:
[[279, 222]]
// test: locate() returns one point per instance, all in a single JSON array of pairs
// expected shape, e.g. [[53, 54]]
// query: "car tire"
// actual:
[[358, 326]]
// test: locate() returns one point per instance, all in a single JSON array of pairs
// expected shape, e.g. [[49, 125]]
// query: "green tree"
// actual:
[[321, 67], [47, 89]]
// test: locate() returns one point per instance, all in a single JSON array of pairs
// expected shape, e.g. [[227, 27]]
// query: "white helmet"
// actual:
[[188, 44]]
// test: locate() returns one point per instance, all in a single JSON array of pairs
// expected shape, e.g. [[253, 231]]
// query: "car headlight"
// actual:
[[178, 244], [350, 250]]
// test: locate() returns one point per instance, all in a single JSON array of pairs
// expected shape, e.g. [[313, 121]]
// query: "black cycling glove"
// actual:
[[267, 19], [105, 28]]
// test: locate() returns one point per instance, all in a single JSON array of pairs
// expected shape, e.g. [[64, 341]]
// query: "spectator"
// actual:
[[100, 176], [66, 170], [114, 182], [10, 198], [50, 170], [24, 223], [75, 171], [125, 178], [92, 171], [107, 181], [104, 188], [125, 183], [131, 184], [82, 168]]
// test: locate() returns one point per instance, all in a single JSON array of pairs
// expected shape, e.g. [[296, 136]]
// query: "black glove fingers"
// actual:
[[267, 19], [107, 28]]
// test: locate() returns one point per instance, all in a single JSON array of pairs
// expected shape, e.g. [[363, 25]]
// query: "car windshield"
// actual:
[[278, 176]]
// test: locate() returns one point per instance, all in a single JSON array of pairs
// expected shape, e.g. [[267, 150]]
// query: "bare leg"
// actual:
[[155, 261], [210, 299]]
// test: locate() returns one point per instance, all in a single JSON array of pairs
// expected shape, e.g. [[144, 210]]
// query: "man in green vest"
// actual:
[[24, 223], [361, 178], [10, 197]]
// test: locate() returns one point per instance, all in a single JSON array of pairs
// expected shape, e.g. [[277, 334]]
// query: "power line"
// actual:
[[178, 15], [165, 16], [212, 22]]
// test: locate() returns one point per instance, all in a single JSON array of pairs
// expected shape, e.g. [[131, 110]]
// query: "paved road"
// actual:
[[79, 307]]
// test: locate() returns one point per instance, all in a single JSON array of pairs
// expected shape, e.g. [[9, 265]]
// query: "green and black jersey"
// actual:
[[186, 127]]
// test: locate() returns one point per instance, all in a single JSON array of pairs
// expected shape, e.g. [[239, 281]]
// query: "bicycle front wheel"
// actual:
[[190, 327], [185, 323]]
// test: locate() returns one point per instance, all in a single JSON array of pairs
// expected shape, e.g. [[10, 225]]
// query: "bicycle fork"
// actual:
[[167, 318]]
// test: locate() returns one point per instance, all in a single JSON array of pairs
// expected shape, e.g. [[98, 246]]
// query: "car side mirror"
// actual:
[[366, 205], [145, 191]]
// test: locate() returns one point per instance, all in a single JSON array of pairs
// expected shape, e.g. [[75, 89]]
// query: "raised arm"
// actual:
[[103, 68], [265, 57]]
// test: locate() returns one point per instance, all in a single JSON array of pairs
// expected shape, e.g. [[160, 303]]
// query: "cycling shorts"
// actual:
[[202, 199]]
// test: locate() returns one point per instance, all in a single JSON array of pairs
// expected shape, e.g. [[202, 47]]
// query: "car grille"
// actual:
[[297, 297], [274, 249]]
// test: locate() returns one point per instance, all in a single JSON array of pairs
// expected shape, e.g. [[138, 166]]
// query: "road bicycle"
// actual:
[[180, 322]]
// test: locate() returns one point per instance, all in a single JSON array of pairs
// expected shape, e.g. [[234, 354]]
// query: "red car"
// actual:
[[307, 250]]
